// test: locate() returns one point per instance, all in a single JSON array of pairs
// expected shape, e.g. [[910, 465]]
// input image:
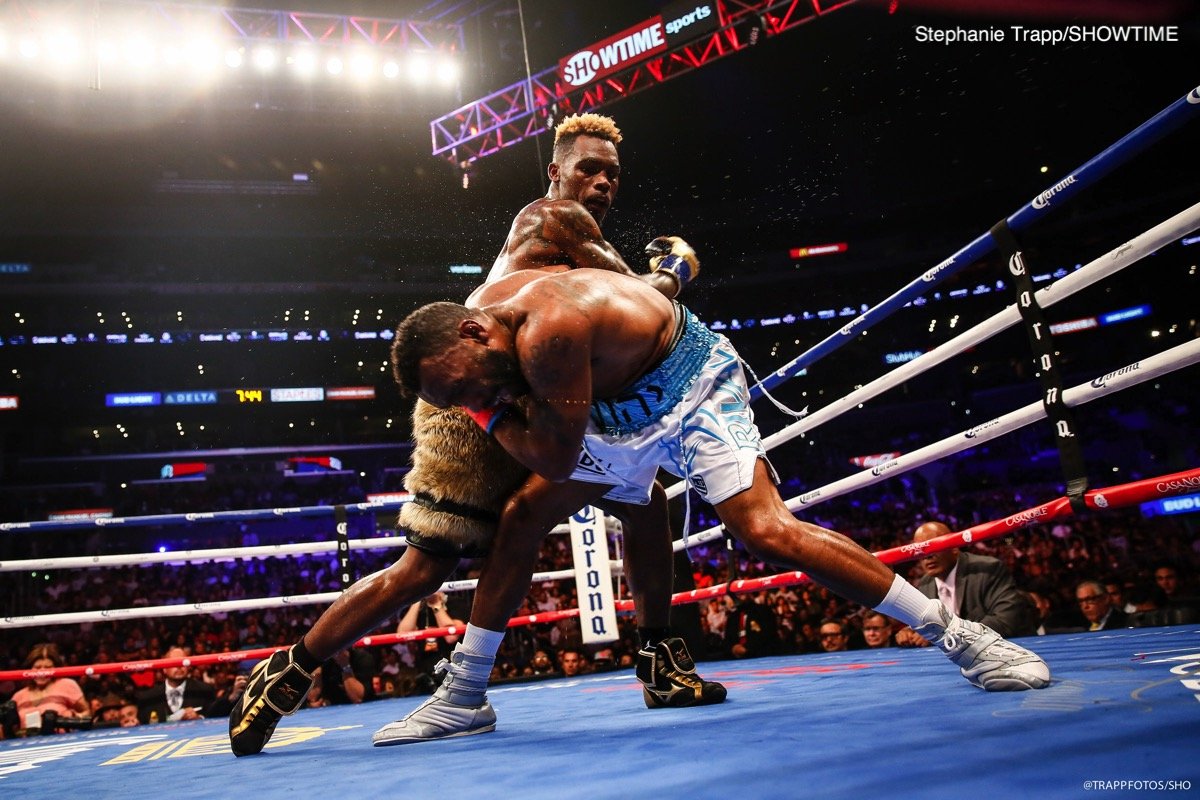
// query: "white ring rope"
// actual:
[[194, 556], [1167, 361], [1105, 266], [222, 606], [1177, 357], [217, 554]]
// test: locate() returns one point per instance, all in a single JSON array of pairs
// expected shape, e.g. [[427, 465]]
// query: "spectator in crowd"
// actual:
[[751, 630], [179, 696], [1167, 578], [974, 586], [834, 637], [1145, 597], [1180, 600], [541, 666], [129, 715], [716, 615], [1045, 610], [432, 612], [63, 696], [877, 630], [571, 661], [335, 683], [108, 712], [1116, 593], [1096, 610]]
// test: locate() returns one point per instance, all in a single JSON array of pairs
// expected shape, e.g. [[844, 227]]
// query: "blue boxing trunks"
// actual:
[[662, 388], [689, 415]]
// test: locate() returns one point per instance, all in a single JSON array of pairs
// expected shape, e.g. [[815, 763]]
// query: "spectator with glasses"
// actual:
[[1096, 608], [877, 630], [834, 638]]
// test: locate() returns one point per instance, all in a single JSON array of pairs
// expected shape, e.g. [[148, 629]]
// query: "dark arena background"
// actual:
[[212, 217]]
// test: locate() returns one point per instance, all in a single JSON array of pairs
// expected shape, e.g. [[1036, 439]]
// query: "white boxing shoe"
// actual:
[[459, 707], [437, 719], [986, 658]]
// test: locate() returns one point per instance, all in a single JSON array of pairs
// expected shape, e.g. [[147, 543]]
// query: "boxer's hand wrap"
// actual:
[[488, 418], [674, 255]]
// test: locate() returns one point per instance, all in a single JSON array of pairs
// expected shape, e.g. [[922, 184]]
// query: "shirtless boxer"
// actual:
[[463, 482], [608, 371]]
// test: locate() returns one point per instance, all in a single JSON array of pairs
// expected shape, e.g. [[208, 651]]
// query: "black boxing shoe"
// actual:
[[277, 688], [668, 676]]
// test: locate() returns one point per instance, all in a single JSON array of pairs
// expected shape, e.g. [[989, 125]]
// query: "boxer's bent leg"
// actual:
[[278, 685], [370, 601], [758, 518], [459, 707], [528, 516]]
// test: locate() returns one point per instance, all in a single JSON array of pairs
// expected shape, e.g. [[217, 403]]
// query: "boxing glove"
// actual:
[[674, 255]]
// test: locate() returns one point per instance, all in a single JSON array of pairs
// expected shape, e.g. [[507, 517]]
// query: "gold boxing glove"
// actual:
[[674, 255]]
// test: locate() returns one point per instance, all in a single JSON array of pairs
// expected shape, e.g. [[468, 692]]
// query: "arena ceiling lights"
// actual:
[[110, 43]]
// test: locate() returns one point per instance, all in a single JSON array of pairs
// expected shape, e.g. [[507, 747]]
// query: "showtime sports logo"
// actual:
[[687, 20], [612, 54]]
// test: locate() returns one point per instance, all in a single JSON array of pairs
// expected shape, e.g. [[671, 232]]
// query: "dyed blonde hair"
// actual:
[[576, 125]]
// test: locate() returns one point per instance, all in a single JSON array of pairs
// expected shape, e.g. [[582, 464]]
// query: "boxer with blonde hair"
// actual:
[[471, 497]]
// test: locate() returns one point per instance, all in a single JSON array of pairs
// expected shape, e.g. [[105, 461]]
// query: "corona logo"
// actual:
[[931, 275], [1043, 199], [884, 467], [978, 429], [1103, 380]]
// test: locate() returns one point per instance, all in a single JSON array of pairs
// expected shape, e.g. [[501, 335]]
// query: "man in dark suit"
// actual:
[[1097, 610], [751, 630], [976, 587], [178, 697]]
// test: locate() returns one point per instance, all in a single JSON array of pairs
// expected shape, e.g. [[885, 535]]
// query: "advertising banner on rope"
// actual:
[[593, 576]]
